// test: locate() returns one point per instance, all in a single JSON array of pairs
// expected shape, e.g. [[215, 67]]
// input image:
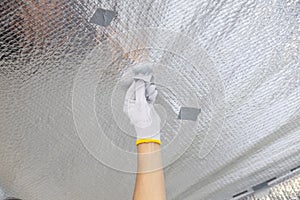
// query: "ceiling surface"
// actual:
[[63, 134]]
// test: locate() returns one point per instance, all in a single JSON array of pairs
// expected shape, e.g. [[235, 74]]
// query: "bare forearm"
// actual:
[[150, 177]]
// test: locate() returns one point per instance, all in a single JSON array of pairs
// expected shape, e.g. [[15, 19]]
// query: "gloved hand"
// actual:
[[138, 106]]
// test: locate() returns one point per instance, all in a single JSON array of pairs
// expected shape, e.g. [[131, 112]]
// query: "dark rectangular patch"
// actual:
[[189, 113], [103, 17]]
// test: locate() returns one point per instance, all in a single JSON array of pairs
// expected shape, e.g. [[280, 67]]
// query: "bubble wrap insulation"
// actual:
[[287, 190], [62, 77]]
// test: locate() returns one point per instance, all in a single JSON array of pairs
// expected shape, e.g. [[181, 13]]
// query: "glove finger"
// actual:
[[130, 92], [140, 91], [129, 97], [152, 97], [150, 90]]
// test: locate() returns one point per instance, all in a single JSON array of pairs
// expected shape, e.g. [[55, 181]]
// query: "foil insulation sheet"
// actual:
[[287, 190], [64, 75]]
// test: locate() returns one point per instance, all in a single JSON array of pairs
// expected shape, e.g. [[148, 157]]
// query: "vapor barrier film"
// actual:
[[228, 78]]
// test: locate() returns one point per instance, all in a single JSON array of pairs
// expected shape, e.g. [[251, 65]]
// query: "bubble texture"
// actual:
[[247, 133], [287, 190]]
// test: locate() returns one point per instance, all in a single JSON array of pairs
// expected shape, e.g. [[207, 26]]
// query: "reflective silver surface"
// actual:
[[62, 81]]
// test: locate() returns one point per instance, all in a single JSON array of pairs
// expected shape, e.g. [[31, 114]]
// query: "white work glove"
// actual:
[[139, 108]]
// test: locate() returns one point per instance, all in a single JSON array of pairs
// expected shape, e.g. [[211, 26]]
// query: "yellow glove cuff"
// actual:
[[147, 140]]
